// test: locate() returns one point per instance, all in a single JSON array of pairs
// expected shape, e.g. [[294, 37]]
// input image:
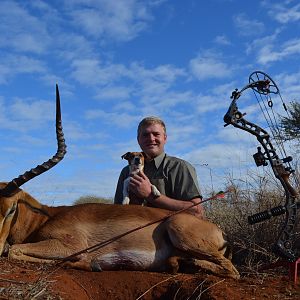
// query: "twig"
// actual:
[[13, 281], [199, 285], [198, 298], [174, 298], [39, 293], [152, 287], [41, 283]]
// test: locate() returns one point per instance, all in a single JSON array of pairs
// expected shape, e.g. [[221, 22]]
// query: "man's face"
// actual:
[[152, 140]]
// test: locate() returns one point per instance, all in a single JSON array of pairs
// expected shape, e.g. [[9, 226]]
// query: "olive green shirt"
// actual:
[[174, 177]]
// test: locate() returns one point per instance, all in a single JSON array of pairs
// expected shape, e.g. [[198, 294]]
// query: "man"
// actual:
[[174, 178]]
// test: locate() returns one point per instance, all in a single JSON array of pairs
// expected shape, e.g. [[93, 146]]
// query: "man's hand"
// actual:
[[197, 210], [140, 185]]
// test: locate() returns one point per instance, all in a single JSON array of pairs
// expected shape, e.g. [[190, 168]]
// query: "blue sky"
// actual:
[[118, 61]]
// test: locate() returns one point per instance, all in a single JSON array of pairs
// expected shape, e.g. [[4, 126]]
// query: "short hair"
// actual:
[[149, 121]]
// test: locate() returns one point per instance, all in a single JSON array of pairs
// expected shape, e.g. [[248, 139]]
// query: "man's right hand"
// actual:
[[140, 185]]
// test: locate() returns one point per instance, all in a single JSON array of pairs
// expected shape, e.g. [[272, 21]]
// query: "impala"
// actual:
[[31, 231]]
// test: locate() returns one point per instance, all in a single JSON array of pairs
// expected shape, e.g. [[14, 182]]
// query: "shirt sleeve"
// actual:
[[119, 190], [186, 183]]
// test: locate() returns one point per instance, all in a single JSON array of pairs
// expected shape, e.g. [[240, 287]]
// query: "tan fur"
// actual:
[[47, 233]]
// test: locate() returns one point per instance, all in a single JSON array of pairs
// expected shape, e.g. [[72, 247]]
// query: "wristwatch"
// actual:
[[155, 193]]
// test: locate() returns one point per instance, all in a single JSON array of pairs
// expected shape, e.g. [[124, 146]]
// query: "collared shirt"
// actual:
[[174, 177]]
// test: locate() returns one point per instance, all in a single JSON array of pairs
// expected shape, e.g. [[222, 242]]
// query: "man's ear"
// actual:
[[126, 155]]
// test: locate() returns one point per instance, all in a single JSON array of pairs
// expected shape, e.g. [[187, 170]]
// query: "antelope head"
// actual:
[[11, 194]]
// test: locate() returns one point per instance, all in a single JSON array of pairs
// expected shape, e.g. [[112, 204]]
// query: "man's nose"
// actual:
[[151, 137]]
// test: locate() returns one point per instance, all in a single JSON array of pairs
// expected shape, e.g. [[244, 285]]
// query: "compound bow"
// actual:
[[263, 86]]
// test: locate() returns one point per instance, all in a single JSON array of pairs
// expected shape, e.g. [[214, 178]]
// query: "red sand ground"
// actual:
[[20, 280]]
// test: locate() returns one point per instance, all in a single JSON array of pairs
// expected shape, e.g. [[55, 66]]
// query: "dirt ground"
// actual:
[[20, 280]]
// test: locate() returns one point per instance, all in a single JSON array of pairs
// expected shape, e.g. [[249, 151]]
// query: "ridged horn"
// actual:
[[11, 187]]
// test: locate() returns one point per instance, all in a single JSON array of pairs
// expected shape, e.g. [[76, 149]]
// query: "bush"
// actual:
[[93, 199], [251, 243]]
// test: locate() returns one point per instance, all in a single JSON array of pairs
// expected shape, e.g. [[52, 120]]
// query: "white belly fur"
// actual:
[[133, 259]]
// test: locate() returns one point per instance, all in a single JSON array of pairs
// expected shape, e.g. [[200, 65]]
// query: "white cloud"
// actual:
[[154, 81], [34, 111], [267, 53], [222, 40], [32, 141], [289, 86], [207, 66], [35, 32], [127, 106], [214, 100], [219, 155], [53, 188], [114, 92], [256, 44], [207, 103], [274, 47], [284, 14], [91, 72], [149, 81], [11, 65], [26, 114], [118, 119], [71, 46], [74, 131], [248, 27], [5, 71], [20, 30], [118, 20]]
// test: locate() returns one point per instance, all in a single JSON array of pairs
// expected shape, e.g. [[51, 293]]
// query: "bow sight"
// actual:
[[263, 86]]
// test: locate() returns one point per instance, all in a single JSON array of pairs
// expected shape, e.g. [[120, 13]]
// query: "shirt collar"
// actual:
[[159, 159]]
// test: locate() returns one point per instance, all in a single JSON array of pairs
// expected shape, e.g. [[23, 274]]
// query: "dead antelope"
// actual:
[[39, 233]]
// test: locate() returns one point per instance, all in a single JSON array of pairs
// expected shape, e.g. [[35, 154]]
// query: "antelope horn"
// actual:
[[10, 188]]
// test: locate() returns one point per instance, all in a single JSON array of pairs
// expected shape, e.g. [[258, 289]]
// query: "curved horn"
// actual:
[[61, 151]]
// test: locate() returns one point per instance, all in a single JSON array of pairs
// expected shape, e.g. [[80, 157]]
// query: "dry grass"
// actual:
[[36, 285], [251, 243]]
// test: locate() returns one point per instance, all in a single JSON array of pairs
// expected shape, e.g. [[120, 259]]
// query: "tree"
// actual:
[[291, 124]]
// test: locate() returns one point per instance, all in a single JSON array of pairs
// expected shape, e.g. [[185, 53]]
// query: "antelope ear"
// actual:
[[31, 201], [126, 155]]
